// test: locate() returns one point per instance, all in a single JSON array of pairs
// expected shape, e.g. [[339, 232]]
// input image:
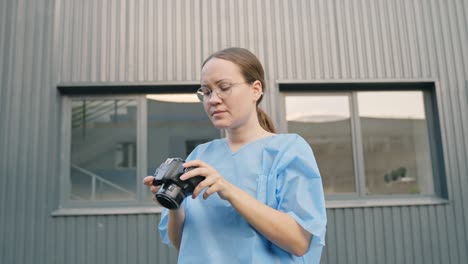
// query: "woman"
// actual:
[[262, 197]]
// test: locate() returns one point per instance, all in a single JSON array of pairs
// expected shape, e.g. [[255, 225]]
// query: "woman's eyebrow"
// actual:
[[216, 82], [222, 80]]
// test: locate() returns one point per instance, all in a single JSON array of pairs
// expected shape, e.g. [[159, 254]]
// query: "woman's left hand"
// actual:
[[214, 182]]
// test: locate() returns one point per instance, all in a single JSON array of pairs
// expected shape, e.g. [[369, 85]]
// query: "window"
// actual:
[[103, 156], [328, 130], [111, 142], [369, 142]]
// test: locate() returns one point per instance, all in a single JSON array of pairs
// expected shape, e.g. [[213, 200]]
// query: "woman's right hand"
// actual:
[[148, 180]]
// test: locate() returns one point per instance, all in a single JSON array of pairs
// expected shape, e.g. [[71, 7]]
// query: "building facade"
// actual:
[[95, 94]]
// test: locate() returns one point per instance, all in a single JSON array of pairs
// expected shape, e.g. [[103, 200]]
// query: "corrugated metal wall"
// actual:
[[43, 42], [28, 131]]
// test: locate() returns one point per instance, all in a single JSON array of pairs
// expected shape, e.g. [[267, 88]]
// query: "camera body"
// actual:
[[173, 190]]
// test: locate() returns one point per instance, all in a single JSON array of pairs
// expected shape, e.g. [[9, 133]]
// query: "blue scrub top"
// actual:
[[279, 171]]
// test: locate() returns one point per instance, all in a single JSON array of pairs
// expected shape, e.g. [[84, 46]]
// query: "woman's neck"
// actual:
[[240, 136]]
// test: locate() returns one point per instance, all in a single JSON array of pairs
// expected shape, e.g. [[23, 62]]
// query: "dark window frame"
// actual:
[[429, 89], [110, 91]]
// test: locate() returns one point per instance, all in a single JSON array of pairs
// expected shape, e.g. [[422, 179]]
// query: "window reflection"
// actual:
[[103, 150], [395, 142], [324, 122]]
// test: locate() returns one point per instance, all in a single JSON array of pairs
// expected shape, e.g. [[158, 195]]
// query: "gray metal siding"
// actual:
[[108, 239], [44, 42], [27, 136], [128, 41]]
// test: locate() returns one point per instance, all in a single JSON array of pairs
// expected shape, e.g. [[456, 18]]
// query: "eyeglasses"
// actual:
[[222, 91]]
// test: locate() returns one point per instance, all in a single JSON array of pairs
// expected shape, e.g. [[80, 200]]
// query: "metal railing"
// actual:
[[95, 178], [91, 110]]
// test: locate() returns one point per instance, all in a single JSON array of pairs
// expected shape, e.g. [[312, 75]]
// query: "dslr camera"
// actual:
[[173, 190]]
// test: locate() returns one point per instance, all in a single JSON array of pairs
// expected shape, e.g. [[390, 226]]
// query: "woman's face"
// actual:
[[239, 104]]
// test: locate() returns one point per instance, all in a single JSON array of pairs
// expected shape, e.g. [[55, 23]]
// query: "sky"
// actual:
[[394, 104]]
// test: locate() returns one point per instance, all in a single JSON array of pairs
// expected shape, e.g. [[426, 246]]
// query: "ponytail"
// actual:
[[265, 121]]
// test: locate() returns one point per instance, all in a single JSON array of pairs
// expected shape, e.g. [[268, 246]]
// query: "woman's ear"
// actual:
[[257, 90]]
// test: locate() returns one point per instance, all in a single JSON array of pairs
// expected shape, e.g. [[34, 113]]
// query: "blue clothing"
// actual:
[[279, 171]]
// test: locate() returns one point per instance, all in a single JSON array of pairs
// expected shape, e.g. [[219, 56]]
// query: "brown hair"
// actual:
[[252, 70]]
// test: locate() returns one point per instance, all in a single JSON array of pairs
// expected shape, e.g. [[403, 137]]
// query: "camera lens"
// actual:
[[170, 196]]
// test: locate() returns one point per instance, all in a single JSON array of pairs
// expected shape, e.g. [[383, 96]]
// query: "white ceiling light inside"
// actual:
[[175, 98]]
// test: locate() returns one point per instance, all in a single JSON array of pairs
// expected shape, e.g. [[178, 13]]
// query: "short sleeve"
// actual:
[[163, 227], [164, 213], [299, 190]]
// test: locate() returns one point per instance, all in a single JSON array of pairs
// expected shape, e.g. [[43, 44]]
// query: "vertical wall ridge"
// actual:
[[14, 153], [30, 106], [450, 60], [462, 91], [453, 168], [5, 46]]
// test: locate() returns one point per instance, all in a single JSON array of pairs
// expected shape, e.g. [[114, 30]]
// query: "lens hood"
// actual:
[[170, 196]]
